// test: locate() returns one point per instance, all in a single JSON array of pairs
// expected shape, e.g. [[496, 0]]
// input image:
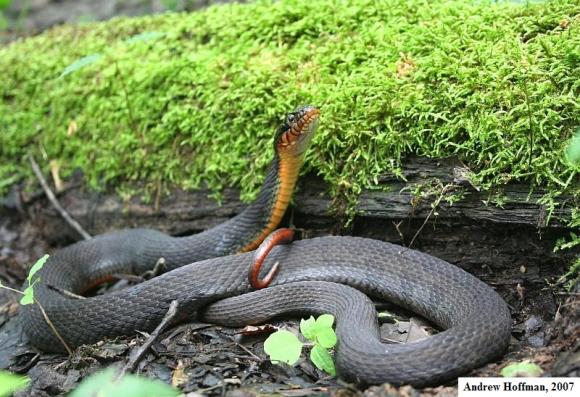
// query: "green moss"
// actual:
[[185, 99]]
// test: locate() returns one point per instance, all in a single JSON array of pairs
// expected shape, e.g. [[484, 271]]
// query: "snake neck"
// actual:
[[273, 199], [245, 231]]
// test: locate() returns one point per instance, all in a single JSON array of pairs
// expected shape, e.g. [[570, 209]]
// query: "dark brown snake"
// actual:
[[321, 275]]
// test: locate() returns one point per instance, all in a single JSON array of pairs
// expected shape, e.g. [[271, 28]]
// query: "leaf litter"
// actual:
[[213, 360]]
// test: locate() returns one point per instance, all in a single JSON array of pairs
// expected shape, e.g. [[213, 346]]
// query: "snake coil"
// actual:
[[319, 275]]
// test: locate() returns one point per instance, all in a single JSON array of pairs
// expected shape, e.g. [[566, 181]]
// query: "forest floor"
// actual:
[[198, 358], [204, 359]]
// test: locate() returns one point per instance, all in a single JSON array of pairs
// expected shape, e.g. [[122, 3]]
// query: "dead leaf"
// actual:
[[251, 330], [417, 329], [72, 128], [54, 171], [179, 376], [405, 65]]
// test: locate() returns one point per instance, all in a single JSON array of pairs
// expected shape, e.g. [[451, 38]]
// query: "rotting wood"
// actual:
[[184, 212]]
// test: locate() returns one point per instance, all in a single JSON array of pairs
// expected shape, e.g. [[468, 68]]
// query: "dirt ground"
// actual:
[[204, 359]]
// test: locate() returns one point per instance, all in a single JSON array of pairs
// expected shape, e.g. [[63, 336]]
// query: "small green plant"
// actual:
[[105, 384], [102, 384], [28, 293], [10, 383], [524, 368], [284, 346], [28, 297]]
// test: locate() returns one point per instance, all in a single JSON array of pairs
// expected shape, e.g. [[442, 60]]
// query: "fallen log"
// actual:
[[509, 246]]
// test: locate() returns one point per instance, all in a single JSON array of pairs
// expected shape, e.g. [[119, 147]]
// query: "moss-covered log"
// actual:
[[494, 243], [180, 99]]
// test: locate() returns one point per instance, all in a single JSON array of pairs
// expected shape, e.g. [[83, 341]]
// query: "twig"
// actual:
[[137, 355], [244, 348], [64, 292], [52, 198], [398, 228], [216, 386], [53, 328], [433, 208], [11, 289], [46, 318]]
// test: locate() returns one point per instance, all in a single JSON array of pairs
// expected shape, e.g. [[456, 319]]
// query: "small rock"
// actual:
[[537, 340], [533, 324], [210, 380]]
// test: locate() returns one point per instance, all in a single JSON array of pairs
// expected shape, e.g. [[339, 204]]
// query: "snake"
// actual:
[[207, 274]]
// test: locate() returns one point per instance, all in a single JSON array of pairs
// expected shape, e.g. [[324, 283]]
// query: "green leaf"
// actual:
[[322, 359], [283, 346], [79, 64], [36, 267], [307, 328], [326, 337], [319, 331], [28, 295], [573, 152], [9, 383], [522, 369], [325, 321], [4, 4], [102, 384]]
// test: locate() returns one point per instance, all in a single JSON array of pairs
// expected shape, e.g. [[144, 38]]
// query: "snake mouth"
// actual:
[[295, 134]]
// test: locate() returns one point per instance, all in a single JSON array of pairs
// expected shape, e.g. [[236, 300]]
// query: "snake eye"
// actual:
[[291, 118]]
